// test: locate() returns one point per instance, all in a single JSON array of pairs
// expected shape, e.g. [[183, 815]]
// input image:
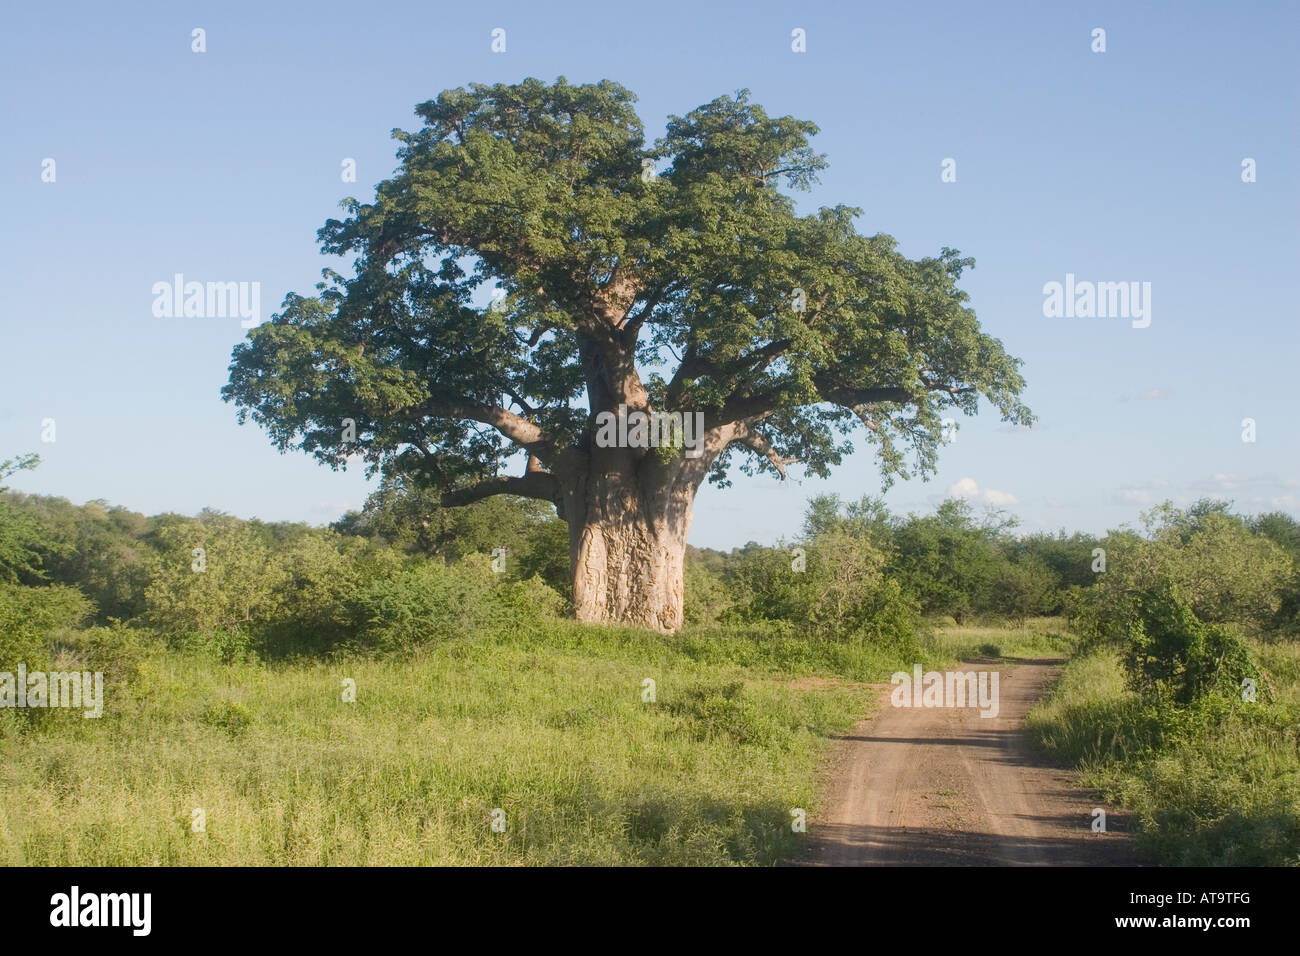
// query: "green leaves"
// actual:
[[734, 142], [20, 537], [700, 288], [1169, 649], [1223, 571], [31, 617], [12, 466]]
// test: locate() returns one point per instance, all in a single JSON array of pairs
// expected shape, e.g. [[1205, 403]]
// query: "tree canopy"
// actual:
[[680, 286]]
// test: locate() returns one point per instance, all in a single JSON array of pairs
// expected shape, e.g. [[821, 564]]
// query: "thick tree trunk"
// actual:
[[627, 545]]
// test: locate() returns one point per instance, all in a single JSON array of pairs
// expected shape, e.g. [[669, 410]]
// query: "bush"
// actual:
[[707, 597], [1025, 589], [224, 644], [317, 573], [235, 590], [435, 602], [118, 651], [1068, 558], [950, 561], [1169, 651], [20, 546], [545, 554], [1222, 570], [31, 616], [841, 592]]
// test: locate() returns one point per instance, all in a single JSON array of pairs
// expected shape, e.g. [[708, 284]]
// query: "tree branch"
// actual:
[[752, 439], [518, 429], [518, 400], [535, 484]]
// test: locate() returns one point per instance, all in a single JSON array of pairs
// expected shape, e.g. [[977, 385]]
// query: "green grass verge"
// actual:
[[1036, 637], [1214, 784], [546, 724]]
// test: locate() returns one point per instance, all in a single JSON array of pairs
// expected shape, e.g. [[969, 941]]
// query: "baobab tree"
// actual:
[[631, 279]]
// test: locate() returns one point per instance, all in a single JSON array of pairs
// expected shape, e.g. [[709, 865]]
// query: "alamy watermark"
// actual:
[[208, 300], [130, 910], [638, 429], [82, 689], [1098, 300], [950, 689]]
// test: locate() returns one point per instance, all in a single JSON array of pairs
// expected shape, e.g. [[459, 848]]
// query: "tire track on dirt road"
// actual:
[[945, 786]]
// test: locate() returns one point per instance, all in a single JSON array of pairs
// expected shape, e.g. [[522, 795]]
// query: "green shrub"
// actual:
[[317, 574], [233, 584], [230, 717], [435, 602], [948, 560], [1223, 571], [224, 644], [1168, 649], [545, 554], [118, 651], [721, 710], [1025, 589], [707, 598], [837, 588], [31, 616]]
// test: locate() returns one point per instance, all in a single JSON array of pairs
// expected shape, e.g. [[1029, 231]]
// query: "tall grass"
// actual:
[[547, 724]]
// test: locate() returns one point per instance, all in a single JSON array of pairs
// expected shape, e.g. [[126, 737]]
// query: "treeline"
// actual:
[[867, 572], [1183, 702], [404, 570], [236, 587], [860, 566]]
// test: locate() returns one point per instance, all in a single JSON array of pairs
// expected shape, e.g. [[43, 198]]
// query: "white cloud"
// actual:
[[1251, 492], [966, 488], [969, 489], [1228, 482], [1143, 493]]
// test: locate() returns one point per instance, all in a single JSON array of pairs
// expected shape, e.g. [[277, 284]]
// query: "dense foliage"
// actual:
[[1191, 721], [404, 571]]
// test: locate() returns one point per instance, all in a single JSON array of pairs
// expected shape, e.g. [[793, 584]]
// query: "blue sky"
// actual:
[[1115, 166]]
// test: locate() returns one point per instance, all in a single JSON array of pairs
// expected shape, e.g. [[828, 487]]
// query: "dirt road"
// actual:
[[945, 786]]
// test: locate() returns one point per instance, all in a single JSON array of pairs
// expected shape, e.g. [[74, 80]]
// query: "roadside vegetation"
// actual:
[[1183, 704], [383, 691]]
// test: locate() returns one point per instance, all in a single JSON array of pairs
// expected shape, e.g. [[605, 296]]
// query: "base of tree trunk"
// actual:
[[627, 569]]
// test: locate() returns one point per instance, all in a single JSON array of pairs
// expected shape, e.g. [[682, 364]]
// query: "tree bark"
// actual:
[[627, 549], [628, 516]]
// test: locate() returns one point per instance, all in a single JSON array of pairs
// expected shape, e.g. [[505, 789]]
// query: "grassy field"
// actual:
[[551, 727], [1218, 784], [1035, 637], [548, 726]]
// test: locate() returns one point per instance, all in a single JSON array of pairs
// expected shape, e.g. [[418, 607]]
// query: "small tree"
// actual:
[[1169, 648], [213, 573]]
